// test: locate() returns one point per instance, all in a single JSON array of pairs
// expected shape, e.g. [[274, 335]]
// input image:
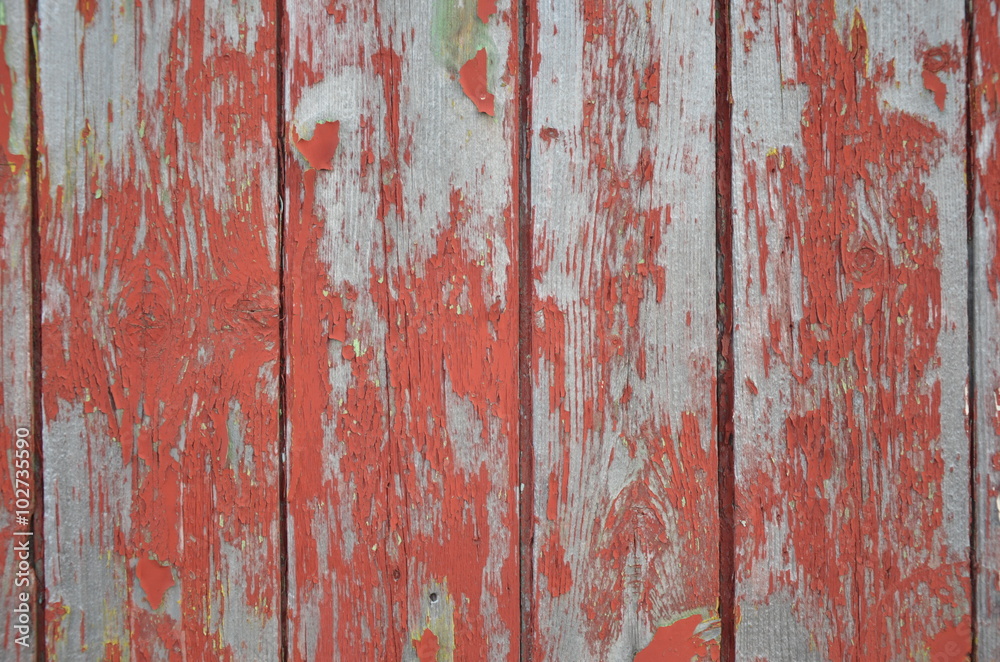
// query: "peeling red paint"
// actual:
[[427, 646], [680, 641], [87, 9], [20, 495], [447, 304], [55, 613], [934, 84], [936, 60], [319, 150], [377, 363], [552, 565], [112, 652], [986, 108], [602, 550], [485, 9], [985, 123], [402, 377], [647, 91], [952, 643], [7, 96], [175, 366], [856, 474], [472, 76], [548, 134], [155, 579], [339, 13]]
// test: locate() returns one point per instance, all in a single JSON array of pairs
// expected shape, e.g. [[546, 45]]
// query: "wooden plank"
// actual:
[[18, 638], [401, 285], [624, 343], [160, 329], [985, 111], [850, 342]]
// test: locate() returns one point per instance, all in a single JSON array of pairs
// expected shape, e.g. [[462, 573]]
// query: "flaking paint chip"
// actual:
[[472, 77], [485, 9], [319, 150], [155, 580]]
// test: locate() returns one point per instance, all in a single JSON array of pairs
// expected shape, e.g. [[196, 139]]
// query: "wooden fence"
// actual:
[[557, 330]]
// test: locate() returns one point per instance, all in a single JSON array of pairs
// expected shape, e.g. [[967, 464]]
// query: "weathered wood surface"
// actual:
[[850, 342], [161, 252], [985, 115], [159, 258], [623, 267], [17, 436], [402, 302]]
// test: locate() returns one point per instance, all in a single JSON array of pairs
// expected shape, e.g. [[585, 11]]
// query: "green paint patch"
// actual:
[[457, 34]]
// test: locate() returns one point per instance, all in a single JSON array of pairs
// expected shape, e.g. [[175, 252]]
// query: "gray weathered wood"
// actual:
[[851, 364], [624, 344], [16, 381], [401, 287], [160, 329]]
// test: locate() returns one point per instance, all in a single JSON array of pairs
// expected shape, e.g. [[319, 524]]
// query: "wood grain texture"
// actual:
[[401, 286], [160, 330], [17, 485], [850, 343], [623, 194], [985, 110]]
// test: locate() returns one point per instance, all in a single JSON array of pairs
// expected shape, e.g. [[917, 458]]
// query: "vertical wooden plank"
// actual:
[[985, 118], [18, 637], [160, 329], [850, 342], [624, 344], [401, 285]]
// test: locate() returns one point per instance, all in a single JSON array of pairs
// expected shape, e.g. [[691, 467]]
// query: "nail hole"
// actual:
[[433, 597]]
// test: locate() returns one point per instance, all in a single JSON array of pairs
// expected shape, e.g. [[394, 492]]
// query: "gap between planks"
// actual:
[[970, 199], [38, 515], [279, 61], [525, 323], [725, 385]]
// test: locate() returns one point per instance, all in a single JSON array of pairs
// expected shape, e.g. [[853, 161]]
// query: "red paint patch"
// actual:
[[646, 91], [485, 9], [112, 652], [334, 9], [548, 134], [87, 9], [679, 642], [472, 76], [6, 104], [936, 60], [933, 83], [55, 614], [427, 646], [952, 644], [155, 580], [319, 150], [552, 565]]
